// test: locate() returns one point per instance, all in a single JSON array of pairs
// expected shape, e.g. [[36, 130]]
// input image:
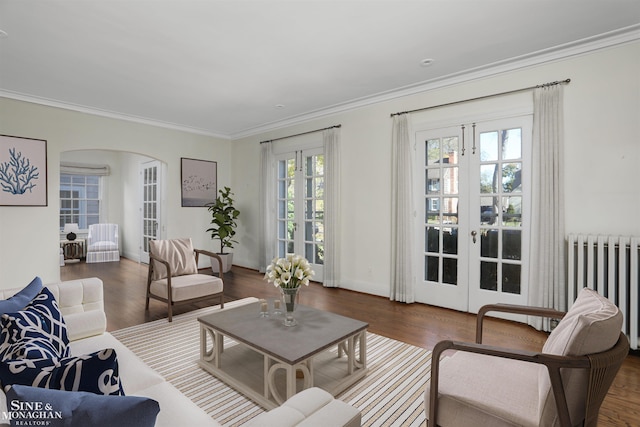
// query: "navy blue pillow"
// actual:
[[81, 409], [22, 298], [22, 337], [40, 319], [95, 373]]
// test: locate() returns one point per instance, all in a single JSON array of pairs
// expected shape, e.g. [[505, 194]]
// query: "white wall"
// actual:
[[602, 159], [29, 235]]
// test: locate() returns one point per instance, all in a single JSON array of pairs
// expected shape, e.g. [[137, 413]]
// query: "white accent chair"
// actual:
[[173, 275], [102, 243], [563, 385]]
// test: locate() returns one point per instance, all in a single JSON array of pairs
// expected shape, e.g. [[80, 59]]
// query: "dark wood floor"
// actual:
[[417, 324]]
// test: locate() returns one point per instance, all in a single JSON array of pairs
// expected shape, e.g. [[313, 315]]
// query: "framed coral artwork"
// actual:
[[23, 171], [198, 182]]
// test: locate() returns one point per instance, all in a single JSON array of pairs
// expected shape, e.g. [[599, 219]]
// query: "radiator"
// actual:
[[609, 265]]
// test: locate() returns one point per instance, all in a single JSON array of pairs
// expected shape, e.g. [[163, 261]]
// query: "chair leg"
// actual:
[[221, 301], [170, 316]]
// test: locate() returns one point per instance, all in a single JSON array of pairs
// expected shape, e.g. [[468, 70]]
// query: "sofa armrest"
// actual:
[[82, 305]]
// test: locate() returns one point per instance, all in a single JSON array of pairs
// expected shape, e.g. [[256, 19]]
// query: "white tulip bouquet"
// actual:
[[289, 272]]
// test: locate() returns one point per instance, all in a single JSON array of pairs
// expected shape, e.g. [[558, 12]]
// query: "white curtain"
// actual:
[[547, 284], [331, 140], [267, 209], [402, 230]]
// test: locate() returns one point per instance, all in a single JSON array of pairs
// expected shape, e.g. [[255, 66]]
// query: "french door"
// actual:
[[474, 208], [300, 207], [150, 210]]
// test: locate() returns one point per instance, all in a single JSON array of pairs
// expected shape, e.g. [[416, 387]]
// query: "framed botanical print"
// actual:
[[23, 171]]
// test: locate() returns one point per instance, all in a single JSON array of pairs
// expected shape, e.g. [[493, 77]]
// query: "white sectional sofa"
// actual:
[[82, 306]]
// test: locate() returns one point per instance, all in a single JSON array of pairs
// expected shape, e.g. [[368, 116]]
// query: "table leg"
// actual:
[[214, 354]]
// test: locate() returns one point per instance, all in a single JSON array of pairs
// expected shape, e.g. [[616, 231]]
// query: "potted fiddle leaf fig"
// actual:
[[223, 221]]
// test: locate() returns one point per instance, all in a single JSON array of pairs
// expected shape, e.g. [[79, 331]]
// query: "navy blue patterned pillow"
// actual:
[[21, 337], [40, 320], [95, 373]]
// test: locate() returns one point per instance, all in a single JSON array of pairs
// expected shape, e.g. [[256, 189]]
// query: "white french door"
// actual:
[[151, 173], [300, 207], [474, 212]]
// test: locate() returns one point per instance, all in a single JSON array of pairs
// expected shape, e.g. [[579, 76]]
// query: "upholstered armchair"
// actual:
[[174, 278], [102, 243], [563, 385]]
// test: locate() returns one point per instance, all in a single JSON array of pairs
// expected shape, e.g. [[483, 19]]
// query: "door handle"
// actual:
[[474, 233]]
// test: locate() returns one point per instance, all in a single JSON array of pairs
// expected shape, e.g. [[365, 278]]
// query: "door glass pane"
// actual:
[[511, 247], [432, 239], [512, 217], [512, 177], [431, 268], [433, 181], [433, 210], [450, 241], [488, 146], [512, 144], [489, 276], [433, 151], [450, 210], [489, 178], [489, 243], [511, 278], [450, 150], [450, 271]]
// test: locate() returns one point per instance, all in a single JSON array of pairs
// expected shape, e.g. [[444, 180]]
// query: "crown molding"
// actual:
[[109, 114], [557, 53]]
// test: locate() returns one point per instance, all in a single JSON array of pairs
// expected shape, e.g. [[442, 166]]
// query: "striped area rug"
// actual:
[[390, 395]]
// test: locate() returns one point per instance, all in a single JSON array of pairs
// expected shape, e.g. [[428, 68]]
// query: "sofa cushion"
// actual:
[[592, 325], [80, 409], [176, 409], [96, 373], [312, 407], [22, 298], [178, 253], [41, 319]]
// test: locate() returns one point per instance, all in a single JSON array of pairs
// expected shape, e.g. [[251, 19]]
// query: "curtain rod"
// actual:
[[300, 134], [484, 97]]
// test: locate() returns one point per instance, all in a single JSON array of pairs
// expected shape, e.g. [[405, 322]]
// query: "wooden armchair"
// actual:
[[564, 385], [173, 275]]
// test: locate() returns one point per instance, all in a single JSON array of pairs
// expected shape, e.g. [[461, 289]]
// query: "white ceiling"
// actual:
[[222, 67]]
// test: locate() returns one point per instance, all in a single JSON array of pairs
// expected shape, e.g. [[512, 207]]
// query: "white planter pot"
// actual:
[[227, 262]]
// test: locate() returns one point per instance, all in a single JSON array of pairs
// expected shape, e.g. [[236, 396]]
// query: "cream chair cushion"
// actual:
[[479, 390], [178, 253], [592, 325], [187, 287]]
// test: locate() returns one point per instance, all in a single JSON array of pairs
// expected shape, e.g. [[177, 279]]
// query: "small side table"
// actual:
[[73, 250]]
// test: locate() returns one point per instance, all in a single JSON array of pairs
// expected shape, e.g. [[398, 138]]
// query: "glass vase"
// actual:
[[289, 300]]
